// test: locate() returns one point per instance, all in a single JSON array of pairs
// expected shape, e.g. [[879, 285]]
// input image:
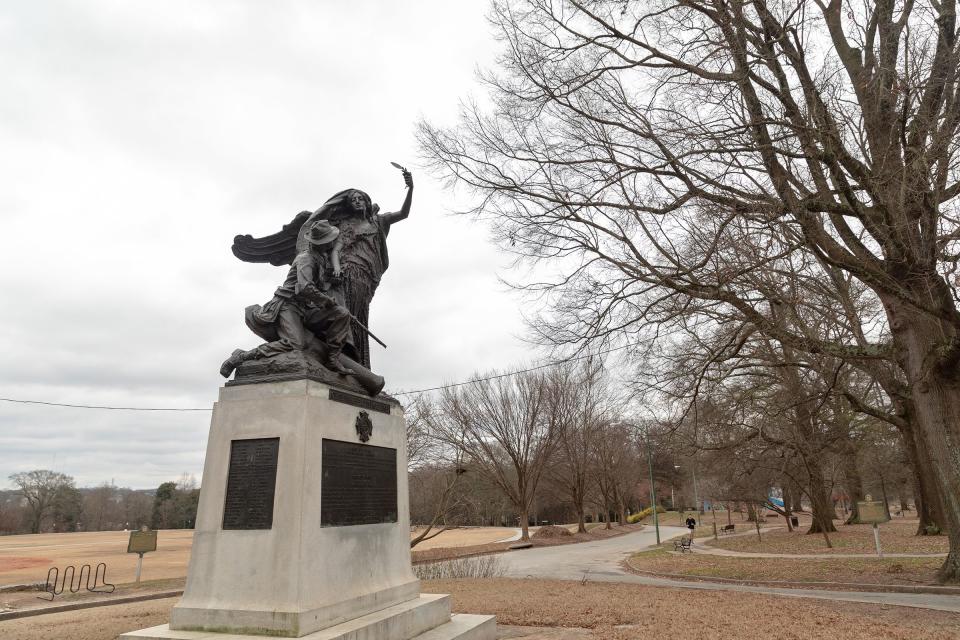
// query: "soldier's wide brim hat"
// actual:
[[321, 232]]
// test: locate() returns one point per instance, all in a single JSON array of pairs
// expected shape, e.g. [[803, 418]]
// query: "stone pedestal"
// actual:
[[331, 557]]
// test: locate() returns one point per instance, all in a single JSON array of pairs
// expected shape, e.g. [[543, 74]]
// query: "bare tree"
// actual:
[[641, 140], [435, 471], [100, 507], [136, 508], [41, 489], [504, 429], [617, 469], [580, 404]]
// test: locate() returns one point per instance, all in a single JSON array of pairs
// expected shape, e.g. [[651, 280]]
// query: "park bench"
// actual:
[[728, 528], [683, 544]]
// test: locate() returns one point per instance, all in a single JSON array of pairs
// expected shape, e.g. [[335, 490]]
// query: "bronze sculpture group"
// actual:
[[318, 317]]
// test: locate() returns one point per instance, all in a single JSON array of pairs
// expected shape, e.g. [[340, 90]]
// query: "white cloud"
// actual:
[[136, 139]]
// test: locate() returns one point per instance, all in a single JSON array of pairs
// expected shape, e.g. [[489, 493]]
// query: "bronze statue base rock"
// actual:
[[305, 365]]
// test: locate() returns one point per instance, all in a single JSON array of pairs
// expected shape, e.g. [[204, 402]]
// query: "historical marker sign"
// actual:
[[251, 483], [143, 541], [359, 484], [871, 512]]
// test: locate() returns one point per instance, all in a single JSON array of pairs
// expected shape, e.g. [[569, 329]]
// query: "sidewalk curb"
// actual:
[[783, 584], [89, 604]]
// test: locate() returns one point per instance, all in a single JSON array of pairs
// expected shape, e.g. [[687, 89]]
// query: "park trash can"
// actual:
[[795, 521]]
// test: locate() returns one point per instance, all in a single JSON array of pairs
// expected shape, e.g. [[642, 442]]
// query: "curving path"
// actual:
[[601, 561]]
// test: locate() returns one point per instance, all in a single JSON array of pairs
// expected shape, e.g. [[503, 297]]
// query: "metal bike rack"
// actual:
[[56, 586]]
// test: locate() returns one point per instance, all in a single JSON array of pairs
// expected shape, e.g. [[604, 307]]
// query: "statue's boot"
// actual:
[[332, 361], [236, 358]]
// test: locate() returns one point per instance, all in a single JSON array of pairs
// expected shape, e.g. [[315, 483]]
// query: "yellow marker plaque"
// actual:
[[142, 542], [872, 512]]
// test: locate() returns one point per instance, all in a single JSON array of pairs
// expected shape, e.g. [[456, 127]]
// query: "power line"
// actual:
[[513, 373], [395, 393], [98, 406]]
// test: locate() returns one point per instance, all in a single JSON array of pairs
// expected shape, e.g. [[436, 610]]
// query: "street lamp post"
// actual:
[[673, 504], [653, 490], [696, 492]]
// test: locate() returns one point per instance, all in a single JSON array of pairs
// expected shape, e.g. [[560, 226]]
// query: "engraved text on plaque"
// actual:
[[359, 484], [251, 481]]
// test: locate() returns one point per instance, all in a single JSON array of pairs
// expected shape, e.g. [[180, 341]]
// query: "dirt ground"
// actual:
[[466, 537], [27, 558], [609, 611], [896, 536], [885, 571]]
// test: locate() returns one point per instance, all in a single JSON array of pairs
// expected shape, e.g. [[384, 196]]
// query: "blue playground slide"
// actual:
[[777, 502]]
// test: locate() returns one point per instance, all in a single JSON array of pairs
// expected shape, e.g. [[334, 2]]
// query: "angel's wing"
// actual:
[[277, 249]]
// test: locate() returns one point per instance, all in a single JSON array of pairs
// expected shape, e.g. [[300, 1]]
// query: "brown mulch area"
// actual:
[[552, 531], [897, 536], [643, 612], [882, 571], [597, 533]]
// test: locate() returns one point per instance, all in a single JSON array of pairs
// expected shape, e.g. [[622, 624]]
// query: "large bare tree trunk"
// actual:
[[926, 495], [787, 513], [820, 503], [854, 483], [935, 390], [797, 506]]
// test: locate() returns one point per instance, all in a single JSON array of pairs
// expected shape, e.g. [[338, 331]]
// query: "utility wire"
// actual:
[[97, 406], [395, 393], [513, 373]]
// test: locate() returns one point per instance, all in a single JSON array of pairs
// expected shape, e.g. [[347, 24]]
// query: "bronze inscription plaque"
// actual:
[[251, 482], [359, 401], [359, 484]]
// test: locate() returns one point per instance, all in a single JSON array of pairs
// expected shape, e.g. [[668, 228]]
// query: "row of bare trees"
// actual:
[[772, 187], [45, 500], [519, 438]]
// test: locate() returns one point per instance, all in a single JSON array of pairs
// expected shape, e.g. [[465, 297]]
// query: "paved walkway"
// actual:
[[601, 561], [517, 534]]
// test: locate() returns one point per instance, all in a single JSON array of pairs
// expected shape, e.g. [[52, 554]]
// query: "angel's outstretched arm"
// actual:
[[390, 218]]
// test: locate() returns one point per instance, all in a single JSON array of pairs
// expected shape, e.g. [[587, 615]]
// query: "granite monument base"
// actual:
[[303, 525]]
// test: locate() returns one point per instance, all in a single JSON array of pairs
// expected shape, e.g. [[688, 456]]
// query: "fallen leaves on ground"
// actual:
[[897, 536], [887, 571], [643, 612]]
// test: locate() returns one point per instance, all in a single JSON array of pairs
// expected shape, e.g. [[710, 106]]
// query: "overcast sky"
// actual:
[[137, 138]]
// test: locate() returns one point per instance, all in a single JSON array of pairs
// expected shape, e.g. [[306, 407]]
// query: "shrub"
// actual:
[[475, 567], [640, 515]]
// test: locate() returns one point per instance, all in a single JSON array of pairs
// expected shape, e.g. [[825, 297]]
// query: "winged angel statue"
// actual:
[[315, 325]]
